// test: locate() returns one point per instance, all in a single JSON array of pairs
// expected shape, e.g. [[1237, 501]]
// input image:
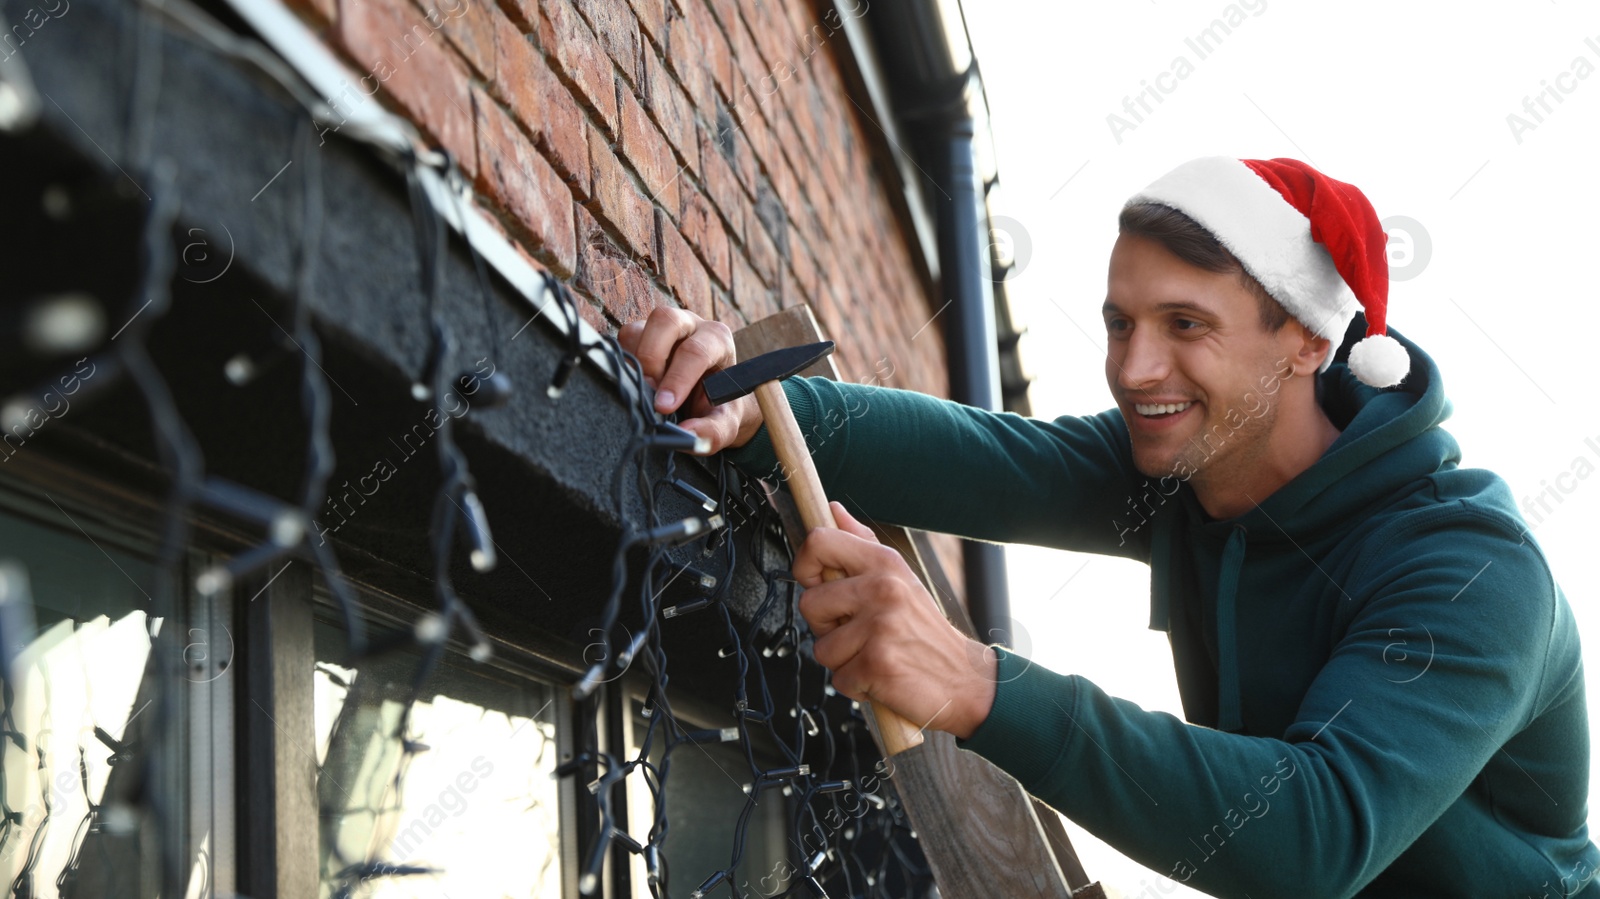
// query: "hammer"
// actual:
[[762, 375]]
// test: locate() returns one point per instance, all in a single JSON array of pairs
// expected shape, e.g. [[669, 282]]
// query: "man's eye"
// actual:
[[1117, 325], [1187, 324]]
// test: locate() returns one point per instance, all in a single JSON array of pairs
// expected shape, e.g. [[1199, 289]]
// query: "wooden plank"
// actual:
[[278, 820], [978, 827]]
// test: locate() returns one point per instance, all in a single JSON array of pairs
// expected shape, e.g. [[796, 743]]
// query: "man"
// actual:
[[1382, 681]]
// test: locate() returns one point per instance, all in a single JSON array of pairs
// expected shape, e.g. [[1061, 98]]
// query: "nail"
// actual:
[[666, 400]]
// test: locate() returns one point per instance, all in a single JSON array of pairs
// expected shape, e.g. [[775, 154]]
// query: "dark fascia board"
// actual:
[[865, 80], [543, 466]]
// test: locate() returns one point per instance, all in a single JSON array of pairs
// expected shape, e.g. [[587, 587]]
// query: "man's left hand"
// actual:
[[883, 636]]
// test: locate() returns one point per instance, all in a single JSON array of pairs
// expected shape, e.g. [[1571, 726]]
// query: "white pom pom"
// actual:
[[1379, 361]]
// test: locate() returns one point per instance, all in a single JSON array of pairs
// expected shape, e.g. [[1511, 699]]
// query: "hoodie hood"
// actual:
[[1385, 434], [1389, 438]]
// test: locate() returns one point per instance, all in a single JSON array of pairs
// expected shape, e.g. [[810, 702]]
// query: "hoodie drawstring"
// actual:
[[1161, 576], [1229, 716]]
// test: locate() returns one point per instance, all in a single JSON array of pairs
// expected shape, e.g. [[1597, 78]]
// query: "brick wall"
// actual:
[[700, 153]]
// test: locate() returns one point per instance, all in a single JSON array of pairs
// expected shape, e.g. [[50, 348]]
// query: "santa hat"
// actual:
[[1314, 243]]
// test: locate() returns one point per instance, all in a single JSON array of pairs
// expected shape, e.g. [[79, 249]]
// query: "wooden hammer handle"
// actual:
[[897, 733]]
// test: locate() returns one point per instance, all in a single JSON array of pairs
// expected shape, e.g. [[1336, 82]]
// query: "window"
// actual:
[[705, 798], [79, 713], [464, 806]]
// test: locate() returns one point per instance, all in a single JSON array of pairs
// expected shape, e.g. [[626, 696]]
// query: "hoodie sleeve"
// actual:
[[1384, 742], [916, 460]]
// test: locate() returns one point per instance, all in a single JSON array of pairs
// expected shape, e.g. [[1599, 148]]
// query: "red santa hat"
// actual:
[[1314, 243]]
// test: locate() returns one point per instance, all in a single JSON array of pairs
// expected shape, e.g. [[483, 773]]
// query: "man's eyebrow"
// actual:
[[1110, 307], [1185, 307]]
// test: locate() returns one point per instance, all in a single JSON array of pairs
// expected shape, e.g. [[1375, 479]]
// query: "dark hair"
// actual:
[[1186, 239]]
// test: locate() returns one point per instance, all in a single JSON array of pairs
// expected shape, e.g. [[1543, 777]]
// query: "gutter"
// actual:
[[938, 94]]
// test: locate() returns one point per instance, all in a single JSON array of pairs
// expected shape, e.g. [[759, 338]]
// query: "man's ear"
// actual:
[[1307, 349]]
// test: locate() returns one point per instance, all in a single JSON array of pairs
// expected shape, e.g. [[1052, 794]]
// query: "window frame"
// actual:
[[42, 492]]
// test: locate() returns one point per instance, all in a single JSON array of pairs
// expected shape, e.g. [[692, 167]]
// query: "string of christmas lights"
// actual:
[[849, 837]]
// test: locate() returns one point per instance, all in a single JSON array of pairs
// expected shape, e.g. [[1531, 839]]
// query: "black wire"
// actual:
[[810, 737], [315, 399], [181, 459]]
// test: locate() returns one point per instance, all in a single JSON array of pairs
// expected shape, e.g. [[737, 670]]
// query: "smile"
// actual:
[[1156, 409]]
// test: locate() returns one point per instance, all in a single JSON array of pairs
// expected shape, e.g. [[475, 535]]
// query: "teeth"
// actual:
[[1160, 408]]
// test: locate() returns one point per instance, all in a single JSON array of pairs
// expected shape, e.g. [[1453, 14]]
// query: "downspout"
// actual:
[[930, 62], [970, 342]]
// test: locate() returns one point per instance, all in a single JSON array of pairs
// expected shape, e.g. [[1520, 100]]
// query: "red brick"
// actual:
[[809, 223], [771, 32], [702, 228], [469, 26], [637, 302], [826, 309], [725, 13], [702, 45], [747, 68], [579, 60], [789, 127], [805, 274], [830, 122], [760, 249], [525, 13], [743, 162], [805, 233], [541, 104], [536, 265], [398, 47], [681, 271], [754, 298], [618, 31], [811, 36], [684, 58], [594, 316], [788, 289], [728, 315], [838, 282], [806, 30], [526, 188], [763, 144], [722, 186], [768, 90], [614, 199], [785, 185], [652, 16], [671, 108], [787, 135], [610, 273], [644, 147], [818, 146]]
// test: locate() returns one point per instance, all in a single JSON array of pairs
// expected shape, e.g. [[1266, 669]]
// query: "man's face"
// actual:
[[1195, 373]]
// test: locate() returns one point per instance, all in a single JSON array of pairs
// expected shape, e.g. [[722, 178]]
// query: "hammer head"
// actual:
[[738, 380]]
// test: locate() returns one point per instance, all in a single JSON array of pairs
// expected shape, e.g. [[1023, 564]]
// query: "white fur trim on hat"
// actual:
[[1270, 237]]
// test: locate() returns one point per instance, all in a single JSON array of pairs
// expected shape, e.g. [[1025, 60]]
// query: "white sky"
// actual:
[[1408, 103]]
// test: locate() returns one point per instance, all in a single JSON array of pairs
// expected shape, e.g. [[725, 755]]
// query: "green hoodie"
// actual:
[[1387, 679]]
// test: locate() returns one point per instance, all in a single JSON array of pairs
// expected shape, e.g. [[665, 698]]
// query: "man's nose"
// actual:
[[1144, 360]]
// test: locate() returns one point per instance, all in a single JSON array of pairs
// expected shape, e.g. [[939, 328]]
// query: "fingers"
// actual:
[[720, 427], [676, 348], [827, 610], [652, 340], [836, 647], [844, 521], [854, 552], [628, 335], [708, 348]]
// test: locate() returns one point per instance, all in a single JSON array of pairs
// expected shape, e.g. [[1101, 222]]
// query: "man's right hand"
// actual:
[[676, 348]]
